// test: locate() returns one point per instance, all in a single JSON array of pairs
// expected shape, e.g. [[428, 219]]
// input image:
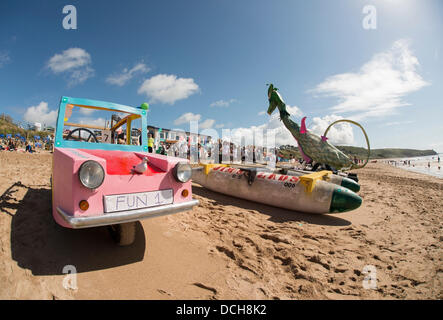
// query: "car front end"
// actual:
[[98, 187]]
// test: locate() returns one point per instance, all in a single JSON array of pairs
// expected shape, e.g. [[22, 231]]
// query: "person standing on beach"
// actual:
[[139, 136], [150, 143]]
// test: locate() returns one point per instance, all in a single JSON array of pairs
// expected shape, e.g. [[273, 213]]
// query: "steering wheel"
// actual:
[[80, 138]]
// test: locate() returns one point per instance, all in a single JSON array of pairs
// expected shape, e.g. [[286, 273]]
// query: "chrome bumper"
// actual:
[[124, 216]]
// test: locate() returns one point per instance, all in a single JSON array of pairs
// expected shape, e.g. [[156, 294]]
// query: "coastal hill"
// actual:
[[386, 152], [361, 153], [7, 126]]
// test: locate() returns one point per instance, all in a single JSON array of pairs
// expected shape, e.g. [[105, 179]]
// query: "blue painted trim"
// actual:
[[60, 122], [99, 146], [60, 143], [103, 104]]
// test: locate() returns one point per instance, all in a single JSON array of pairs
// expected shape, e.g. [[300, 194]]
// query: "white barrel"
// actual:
[[283, 191], [332, 178]]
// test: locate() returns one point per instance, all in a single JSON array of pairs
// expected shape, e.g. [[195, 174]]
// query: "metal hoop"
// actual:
[[353, 166]]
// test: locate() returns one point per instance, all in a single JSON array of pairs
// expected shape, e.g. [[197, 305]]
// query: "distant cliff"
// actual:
[[289, 151], [386, 153]]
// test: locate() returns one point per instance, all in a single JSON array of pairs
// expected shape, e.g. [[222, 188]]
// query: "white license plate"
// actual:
[[131, 201]]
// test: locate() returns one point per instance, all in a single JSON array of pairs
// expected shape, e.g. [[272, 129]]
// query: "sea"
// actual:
[[420, 165]]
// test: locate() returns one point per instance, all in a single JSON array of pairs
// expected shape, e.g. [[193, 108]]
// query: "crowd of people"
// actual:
[[21, 144], [418, 163], [219, 152]]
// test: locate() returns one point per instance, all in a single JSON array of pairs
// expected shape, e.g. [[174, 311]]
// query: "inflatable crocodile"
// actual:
[[312, 147]]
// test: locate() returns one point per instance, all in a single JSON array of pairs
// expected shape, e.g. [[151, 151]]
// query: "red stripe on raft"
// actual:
[[260, 175], [273, 176], [121, 162]]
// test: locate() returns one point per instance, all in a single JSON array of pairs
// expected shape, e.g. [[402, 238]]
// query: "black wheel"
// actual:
[[353, 176], [123, 234], [70, 136]]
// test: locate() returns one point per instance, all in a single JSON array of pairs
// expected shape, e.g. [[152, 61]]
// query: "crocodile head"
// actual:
[[273, 98]]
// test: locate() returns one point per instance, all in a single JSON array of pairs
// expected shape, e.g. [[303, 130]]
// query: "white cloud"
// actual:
[[294, 111], [397, 123], [4, 58], [70, 59], [122, 78], [100, 122], [437, 146], [41, 113], [378, 87], [187, 117], [75, 62], [207, 124], [222, 103], [86, 111], [340, 134], [219, 126], [168, 88]]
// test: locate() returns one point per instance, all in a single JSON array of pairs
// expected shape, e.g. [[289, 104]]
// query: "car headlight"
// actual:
[[91, 174], [182, 172]]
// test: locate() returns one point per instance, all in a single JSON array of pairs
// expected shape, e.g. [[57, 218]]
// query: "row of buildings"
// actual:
[[173, 136]]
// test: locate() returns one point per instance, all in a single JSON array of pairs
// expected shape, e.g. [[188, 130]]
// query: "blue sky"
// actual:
[[210, 61]]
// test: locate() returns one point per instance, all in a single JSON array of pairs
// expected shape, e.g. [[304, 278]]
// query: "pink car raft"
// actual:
[[103, 174]]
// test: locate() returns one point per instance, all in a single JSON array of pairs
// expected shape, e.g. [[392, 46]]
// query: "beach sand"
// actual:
[[227, 248]]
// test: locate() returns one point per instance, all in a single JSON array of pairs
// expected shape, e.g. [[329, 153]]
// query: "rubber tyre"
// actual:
[[123, 234]]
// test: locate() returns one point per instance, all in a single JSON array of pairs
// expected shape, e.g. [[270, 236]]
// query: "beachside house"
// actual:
[[172, 136]]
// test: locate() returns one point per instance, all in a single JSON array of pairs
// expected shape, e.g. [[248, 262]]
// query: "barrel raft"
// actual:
[[279, 190]]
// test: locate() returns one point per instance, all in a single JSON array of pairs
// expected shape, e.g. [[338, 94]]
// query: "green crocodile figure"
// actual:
[[312, 147]]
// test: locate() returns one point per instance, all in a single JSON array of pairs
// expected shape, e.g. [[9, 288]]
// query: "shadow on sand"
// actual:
[[276, 214], [38, 243]]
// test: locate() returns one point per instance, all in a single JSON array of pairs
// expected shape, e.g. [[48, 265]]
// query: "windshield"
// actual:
[[98, 126], [101, 126]]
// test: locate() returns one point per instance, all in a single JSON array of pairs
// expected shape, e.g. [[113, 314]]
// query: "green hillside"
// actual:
[[361, 153], [8, 127]]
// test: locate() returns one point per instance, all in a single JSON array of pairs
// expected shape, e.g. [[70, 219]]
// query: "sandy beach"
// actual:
[[227, 248]]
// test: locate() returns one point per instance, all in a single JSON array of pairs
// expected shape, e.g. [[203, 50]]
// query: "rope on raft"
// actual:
[[353, 166]]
